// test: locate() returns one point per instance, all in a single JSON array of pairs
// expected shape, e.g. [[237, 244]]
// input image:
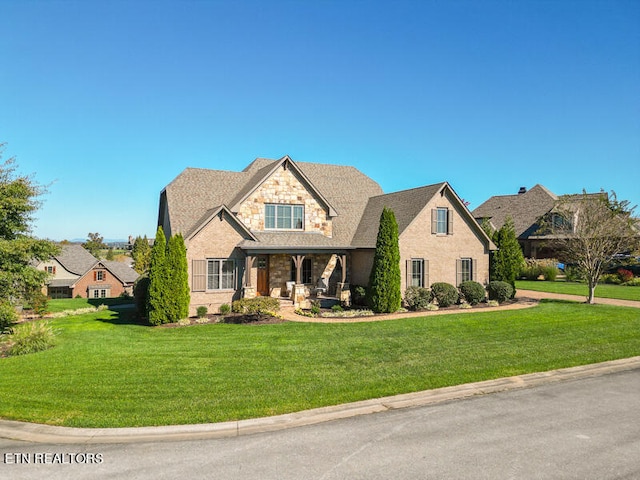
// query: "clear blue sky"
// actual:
[[108, 101]]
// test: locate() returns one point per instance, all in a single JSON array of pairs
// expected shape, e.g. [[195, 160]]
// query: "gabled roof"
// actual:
[[193, 196], [406, 205], [121, 270], [76, 259], [213, 213], [524, 208], [265, 172]]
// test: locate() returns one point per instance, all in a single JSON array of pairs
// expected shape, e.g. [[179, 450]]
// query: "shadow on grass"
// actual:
[[563, 302], [123, 316]]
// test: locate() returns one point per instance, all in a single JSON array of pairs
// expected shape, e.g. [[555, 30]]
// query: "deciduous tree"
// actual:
[[19, 279], [141, 254], [588, 230], [95, 243]]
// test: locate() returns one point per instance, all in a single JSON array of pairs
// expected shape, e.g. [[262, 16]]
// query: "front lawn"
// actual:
[[61, 304], [603, 290], [109, 372]]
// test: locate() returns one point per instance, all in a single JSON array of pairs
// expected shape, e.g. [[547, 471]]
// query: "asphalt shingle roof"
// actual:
[[525, 209], [76, 259]]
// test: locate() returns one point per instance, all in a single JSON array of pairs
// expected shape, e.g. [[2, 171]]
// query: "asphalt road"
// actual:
[[583, 429]]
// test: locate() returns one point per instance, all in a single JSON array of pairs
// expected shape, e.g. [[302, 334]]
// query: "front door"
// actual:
[[263, 275]]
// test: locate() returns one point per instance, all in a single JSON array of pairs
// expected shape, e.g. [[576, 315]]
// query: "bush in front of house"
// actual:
[[201, 311], [260, 305], [358, 295], [384, 294], [224, 309], [8, 316], [140, 292], [444, 293], [31, 337], [499, 291], [417, 298], [472, 292]]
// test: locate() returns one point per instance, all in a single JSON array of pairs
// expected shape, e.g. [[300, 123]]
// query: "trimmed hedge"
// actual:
[[417, 298], [445, 294], [256, 305], [500, 291], [473, 292]]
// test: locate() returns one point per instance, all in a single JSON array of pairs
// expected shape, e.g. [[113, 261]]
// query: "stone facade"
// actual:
[[284, 187]]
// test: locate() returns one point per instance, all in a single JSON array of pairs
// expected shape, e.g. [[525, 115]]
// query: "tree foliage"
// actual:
[[588, 230], [168, 295], [158, 292], [178, 279], [385, 294], [95, 243], [19, 250], [141, 254], [508, 260]]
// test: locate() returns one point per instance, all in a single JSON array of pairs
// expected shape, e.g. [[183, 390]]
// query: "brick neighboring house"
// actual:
[[295, 229], [75, 272]]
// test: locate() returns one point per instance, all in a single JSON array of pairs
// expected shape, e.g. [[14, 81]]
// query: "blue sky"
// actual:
[[108, 101]]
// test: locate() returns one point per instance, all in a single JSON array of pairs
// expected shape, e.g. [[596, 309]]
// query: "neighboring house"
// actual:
[[295, 229], [75, 272], [528, 208]]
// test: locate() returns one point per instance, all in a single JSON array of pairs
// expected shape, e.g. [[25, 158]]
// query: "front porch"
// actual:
[[300, 278]]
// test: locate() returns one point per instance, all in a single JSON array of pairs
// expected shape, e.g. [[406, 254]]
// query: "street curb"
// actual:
[[37, 433]]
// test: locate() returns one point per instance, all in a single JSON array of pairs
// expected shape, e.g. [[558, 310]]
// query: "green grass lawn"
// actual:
[[61, 304], [108, 372], [573, 288]]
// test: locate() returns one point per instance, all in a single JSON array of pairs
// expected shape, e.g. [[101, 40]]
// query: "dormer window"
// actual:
[[283, 217]]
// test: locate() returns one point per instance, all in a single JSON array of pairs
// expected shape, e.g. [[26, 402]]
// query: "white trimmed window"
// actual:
[[221, 274], [283, 217]]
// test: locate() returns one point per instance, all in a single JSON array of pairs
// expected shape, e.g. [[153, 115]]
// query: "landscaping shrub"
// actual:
[[337, 308], [358, 295], [473, 292], [40, 304], [444, 293], [140, 291], [417, 298], [384, 295], [224, 309], [500, 291], [634, 282], [256, 305], [315, 308], [201, 311], [30, 338], [625, 275], [573, 274], [550, 273], [611, 278], [8, 316]]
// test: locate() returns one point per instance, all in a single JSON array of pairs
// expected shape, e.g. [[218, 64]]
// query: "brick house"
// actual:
[[295, 230], [75, 272]]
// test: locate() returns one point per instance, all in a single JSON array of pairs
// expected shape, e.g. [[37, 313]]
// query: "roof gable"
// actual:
[[525, 209], [76, 259], [262, 174]]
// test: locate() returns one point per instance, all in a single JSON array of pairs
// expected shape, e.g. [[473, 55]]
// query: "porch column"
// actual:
[[248, 291], [297, 261], [343, 264], [343, 291]]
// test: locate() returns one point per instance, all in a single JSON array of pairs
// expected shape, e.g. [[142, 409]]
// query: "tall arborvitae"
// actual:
[[508, 261], [384, 283], [178, 279], [158, 291]]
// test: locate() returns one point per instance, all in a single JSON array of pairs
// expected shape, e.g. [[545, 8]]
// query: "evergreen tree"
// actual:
[[178, 279], [141, 254], [508, 261], [384, 283], [158, 292]]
